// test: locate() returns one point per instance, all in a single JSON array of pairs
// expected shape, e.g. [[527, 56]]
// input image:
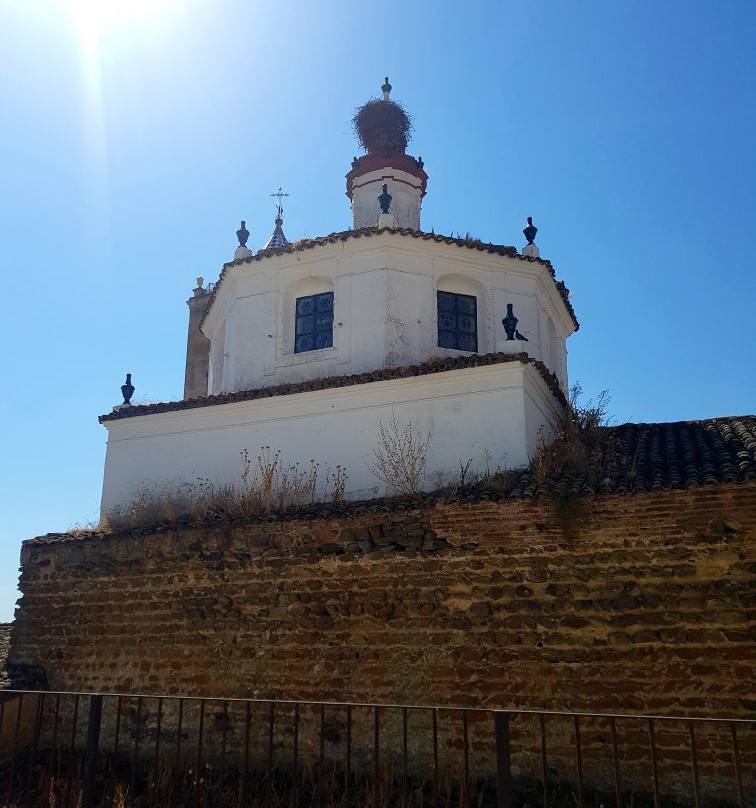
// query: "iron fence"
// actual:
[[64, 750]]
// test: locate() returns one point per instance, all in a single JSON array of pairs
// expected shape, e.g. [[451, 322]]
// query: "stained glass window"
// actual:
[[314, 322], [457, 321]]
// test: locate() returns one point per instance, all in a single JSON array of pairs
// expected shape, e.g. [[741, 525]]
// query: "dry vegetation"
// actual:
[[267, 485], [400, 457]]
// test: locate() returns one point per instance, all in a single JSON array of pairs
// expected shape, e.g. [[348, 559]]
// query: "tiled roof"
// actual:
[[646, 458], [656, 457], [277, 239], [366, 232], [331, 382]]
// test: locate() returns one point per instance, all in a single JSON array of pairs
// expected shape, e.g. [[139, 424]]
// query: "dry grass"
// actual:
[[266, 485], [400, 457], [583, 454]]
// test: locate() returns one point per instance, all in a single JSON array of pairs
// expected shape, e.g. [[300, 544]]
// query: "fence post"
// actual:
[[503, 761], [91, 753]]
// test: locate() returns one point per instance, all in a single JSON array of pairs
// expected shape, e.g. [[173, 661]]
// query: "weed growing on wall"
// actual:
[[267, 485], [584, 453], [400, 457]]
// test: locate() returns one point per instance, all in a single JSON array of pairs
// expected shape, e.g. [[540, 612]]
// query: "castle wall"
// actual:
[[634, 604]]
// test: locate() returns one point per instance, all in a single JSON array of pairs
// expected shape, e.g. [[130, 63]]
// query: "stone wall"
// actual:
[[635, 604]]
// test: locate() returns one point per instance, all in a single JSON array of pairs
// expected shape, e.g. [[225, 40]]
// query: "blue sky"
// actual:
[[626, 129]]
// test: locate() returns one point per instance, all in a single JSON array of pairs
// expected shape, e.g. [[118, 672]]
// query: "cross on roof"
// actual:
[[279, 209]]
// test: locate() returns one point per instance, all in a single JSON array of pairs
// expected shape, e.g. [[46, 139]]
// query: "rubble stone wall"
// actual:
[[625, 603]]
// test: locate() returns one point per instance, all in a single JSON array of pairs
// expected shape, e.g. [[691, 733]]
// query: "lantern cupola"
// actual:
[[383, 129]]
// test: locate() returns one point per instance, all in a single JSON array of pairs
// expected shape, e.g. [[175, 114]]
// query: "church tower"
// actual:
[[383, 129], [310, 347]]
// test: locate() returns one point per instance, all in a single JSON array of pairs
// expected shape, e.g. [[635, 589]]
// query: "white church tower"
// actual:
[[386, 173], [310, 347]]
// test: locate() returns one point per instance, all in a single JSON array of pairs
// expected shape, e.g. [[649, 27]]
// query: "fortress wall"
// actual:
[[637, 603]]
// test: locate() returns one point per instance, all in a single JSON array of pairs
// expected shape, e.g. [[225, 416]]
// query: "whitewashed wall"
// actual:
[[406, 198], [384, 309], [489, 414]]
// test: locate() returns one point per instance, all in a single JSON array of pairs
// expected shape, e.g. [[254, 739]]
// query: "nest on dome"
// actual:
[[382, 125]]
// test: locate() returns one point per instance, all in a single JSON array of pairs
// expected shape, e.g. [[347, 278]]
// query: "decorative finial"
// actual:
[[510, 325], [384, 200], [530, 231], [200, 281], [279, 208], [127, 391], [242, 234], [386, 87]]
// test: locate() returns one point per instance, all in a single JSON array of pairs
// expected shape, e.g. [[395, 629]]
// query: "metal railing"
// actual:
[[94, 749]]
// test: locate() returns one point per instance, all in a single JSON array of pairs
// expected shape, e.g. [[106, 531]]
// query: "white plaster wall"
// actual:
[[384, 310], [406, 193], [488, 414]]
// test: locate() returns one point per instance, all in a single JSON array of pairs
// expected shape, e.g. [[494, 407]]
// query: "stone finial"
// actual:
[[530, 250], [510, 325], [200, 281], [127, 390], [384, 200], [386, 87], [242, 234], [530, 231]]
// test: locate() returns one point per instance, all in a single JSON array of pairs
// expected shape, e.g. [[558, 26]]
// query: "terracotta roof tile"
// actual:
[[331, 382], [659, 457], [366, 232]]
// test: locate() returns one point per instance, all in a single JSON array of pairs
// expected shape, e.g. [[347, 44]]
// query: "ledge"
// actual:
[[331, 382]]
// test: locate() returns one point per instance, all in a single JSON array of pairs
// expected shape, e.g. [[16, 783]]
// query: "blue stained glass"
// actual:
[[466, 304], [305, 305], [324, 302], [466, 342], [457, 321], [466, 324], [447, 321], [305, 325], [314, 322], [324, 339], [305, 342]]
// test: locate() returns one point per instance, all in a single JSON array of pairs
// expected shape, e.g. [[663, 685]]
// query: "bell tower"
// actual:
[[383, 129]]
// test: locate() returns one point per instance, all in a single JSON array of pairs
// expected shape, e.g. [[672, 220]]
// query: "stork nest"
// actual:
[[381, 125]]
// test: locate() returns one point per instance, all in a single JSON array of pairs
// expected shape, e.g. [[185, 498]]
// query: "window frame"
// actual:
[[299, 318], [458, 334]]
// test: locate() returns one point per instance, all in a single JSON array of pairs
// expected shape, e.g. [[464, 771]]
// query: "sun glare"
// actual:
[[93, 18]]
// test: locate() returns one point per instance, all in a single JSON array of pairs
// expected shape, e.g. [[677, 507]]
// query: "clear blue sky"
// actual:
[[626, 129]]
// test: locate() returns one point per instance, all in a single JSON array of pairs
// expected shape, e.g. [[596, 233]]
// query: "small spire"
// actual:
[[277, 239], [242, 234], [386, 87]]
